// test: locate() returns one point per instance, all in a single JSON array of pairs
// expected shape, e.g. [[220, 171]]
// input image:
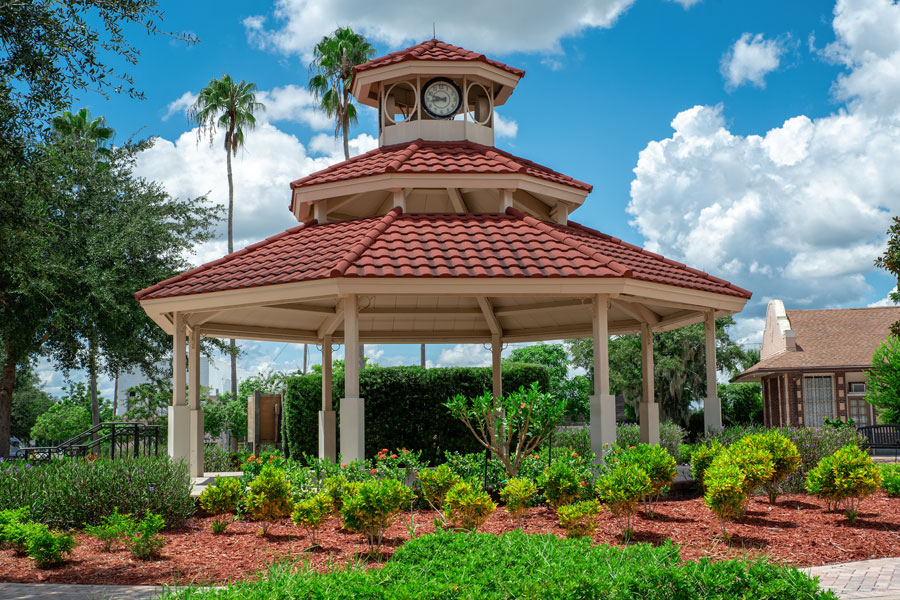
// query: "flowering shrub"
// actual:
[[112, 529], [466, 507], [311, 513], [578, 519], [217, 459], [726, 489], [844, 479], [518, 494], [560, 484], [621, 489], [269, 497], [402, 464], [671, 436], [890, 479], [373, 506], [253, 465], [654, 461], [435, 484]]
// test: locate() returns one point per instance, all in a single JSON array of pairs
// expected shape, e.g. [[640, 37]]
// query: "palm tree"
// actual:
[[332, 77], [228, 105]]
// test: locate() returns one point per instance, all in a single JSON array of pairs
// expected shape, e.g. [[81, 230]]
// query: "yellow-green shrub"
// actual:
[[560, 484], [311, 513], [750, 455], [518, 494], [726, 489], [655, 461], [336, 488], [844, 479], [220, 498], [269, 497], [373, 506], [435, 484], [466, 507], [785, 459], [702, 457], [578, 519], [621, 489]]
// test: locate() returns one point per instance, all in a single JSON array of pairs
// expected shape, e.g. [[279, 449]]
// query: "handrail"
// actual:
[[117, 434]]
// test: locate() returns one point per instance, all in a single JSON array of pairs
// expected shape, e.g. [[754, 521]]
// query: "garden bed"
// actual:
[[797, 530]]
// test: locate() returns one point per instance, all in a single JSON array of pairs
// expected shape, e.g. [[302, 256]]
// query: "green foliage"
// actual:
[[703, 456], [218, 526], [269, 497], [311, 514], [890, 262], [517, 565], [518, 494], [29, 401], [752, 457], [655, 461], [403, 406], [337, 488], [578, 519], [890, 479], [435, 483], [17, 534], [72, 492], [217, 459], [222, 496], [576, 391], [49, 548], [145, 542], [785, 460], [148, 403], [11, 521], [560, 484], [883, 380], [471, 467], [671, 436], [726, 489], [741, 403], [373, 506], [511, 426], [401, 465], [844, 479], [467, 507], [621, 489], [112, 529], [61, 422]]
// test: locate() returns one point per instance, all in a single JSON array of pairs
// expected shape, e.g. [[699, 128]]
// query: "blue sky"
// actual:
[[754, 140]]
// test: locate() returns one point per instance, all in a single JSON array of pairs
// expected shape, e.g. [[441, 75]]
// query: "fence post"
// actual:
[[112, 443], [137, 450]]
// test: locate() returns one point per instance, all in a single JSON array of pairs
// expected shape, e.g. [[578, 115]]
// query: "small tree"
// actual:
[[883, 384], [512, 426]]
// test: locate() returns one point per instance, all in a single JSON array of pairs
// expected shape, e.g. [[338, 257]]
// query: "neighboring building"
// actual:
[[813, 363], [132, 379]]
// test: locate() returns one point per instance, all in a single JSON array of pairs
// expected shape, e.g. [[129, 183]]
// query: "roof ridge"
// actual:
[[357, 250], [395, 164], [605, 261], [206, 266]]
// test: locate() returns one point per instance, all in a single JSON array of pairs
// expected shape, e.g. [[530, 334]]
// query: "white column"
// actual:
[[353, 424], [496, 372], [327, 422], [399, 198], [649, 410], [179, 412], [506, 199], [602, 403], [195, 454], [712, 406]]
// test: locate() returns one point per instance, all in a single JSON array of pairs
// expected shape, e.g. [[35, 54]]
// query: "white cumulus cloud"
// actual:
[[505, 128], [750, 59], [181, 105]]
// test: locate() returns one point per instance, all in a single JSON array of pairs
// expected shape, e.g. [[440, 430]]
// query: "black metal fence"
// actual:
[[114, 439]]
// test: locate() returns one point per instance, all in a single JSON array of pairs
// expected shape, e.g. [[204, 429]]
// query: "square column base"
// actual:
[[353, 429], [712, 415], [328, 435], [196, 463], [603, 423], [649, 422], [179, 432]]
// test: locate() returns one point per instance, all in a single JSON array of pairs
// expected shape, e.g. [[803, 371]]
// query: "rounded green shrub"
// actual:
[[337, 488], [785, 459], [753, 459], [726, 489], [49, 548], [112, 529], [145, 542], [655, 461], [222, 496], [621, 489], [578, 519], [467, 507], [848, 476], [269, 497], [702, 457], [890, 479], [311, 514], [435, 483], [518, 494], [373, 506], [560, 484]]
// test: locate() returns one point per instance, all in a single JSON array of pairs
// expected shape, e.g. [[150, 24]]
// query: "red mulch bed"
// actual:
[[796, 530]]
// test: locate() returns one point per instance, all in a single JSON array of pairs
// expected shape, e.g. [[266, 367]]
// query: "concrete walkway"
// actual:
[[877, 579], [198, 484], [59, 591]]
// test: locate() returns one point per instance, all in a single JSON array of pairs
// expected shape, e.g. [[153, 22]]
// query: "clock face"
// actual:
[[441, 98]]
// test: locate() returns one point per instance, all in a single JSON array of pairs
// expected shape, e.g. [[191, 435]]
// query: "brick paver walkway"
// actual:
[[871, 579], [58, 591]]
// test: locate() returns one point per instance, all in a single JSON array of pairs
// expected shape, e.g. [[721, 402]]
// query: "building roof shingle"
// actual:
[[434, 50]]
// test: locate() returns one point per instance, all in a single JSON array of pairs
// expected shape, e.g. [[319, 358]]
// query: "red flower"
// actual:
[[583, 484], [373, 471], [250, 459], [631, 447], [405, 451], [343, 465], [574, 455], [393, 456], [522, 405], [385, 450]]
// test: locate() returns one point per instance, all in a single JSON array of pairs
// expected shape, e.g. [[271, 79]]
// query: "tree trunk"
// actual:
[[234, 382], [92, 374], [345, 113], [346, 126], [7, 384]]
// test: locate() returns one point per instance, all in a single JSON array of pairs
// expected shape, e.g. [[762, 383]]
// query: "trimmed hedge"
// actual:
[[404, 406]]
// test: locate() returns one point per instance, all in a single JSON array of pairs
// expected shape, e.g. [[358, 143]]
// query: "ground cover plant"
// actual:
[[70, 493], [47, 547], [515, 565]]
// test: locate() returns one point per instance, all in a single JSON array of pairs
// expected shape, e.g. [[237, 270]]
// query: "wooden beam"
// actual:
[[322, 310], [192, 320], [518, 309], [332, 322], [456, 200], [254, 332], [637, 311], [488, 310], [656, 302], [419, 311]]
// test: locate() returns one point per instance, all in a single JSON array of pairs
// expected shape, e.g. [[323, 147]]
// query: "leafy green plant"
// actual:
[[145, 542], [752, 457], [703, 456], [49, 548], [845, 479], [112, 529], [671, 436], [578, 519], [401, 465], [311, 514], [219, 526], [621, 489], [373, 506], [785, 460], [471, 467], [17, 534], [12, 516], [654, 461], [560, 484], [726, 490], [890, 479], [518, 494], [220, 498], [269, 497], [435, 483], [466, 507], [337, 488]]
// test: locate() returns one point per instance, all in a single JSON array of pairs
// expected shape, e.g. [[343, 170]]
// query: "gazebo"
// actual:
[[435, 236]]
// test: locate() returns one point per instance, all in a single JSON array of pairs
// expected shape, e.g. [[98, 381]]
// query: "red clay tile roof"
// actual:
[[427, 157], [435, 245], [434, 50], [835, 338]]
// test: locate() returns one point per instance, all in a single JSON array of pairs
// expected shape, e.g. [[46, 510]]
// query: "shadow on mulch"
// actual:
[[861, 523], [737, 540], [796, 504], [649, 537], [757, 519], [663, 518]]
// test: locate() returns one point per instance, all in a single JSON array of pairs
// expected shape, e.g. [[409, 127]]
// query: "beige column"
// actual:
[[496, 374], [649, 410], [179, 434], [195, 454], [712, 406], [602, 403], [353, 425], [327, 421]]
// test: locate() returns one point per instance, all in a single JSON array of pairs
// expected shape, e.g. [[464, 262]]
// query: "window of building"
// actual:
[[818, 400], [858, 410], [857, 387]]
